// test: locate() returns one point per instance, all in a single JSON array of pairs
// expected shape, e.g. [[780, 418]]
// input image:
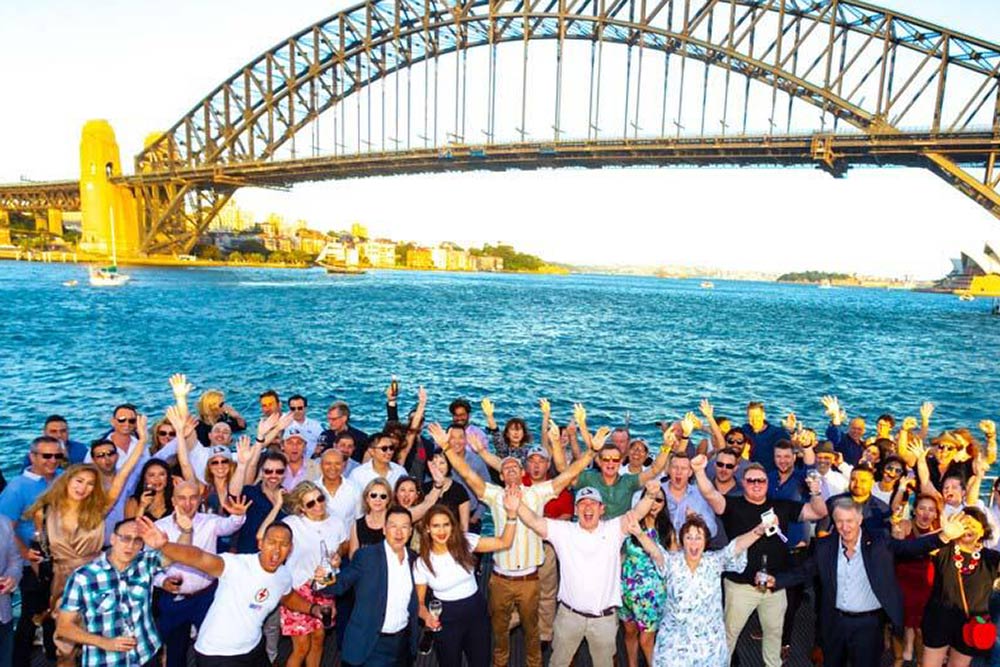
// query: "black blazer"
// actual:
[[879, 551], [368, 575]]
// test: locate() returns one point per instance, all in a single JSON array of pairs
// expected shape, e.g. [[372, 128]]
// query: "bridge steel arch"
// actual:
[[878, 71]]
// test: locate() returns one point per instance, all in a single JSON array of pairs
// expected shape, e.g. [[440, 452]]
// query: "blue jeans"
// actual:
[[7, 644]]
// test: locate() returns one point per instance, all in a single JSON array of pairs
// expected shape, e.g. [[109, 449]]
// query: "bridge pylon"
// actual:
[[103, 200]]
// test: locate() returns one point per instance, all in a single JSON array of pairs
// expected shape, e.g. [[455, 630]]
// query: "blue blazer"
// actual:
[[368, 575], [879, 551]]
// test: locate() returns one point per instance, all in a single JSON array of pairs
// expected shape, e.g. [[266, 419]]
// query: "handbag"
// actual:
[[979, 632]]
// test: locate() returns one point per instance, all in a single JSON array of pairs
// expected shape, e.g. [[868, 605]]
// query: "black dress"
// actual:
[[944, 615], [368, 535]]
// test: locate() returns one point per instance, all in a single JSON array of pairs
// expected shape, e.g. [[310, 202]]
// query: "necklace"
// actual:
[[959, 559]]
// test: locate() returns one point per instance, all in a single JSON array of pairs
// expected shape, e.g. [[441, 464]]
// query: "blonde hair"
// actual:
[[378, 481], [293, 501], [93, 509], [213, 398]]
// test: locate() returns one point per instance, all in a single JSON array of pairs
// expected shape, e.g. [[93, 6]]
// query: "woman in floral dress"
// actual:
[[692, 631], [642, 584]]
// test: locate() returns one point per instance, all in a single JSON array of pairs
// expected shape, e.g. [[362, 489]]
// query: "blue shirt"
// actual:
[[246, 542], [794, 488], [854, 591], [850, 449], [762, 450], [20, 494], [692, 500]]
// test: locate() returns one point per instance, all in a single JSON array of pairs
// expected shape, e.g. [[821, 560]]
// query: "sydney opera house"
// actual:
[[975, 273]]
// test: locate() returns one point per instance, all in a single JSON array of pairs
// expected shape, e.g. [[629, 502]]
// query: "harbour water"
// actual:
[[650, 347]]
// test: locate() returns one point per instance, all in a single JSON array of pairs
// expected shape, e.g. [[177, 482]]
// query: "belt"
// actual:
[[517, 577], [601, 614], [392, 634], [859, 614]]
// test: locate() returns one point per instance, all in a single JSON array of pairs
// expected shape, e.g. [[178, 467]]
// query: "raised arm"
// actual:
[[156, 539], [989, 429], [708, 412], [926, 410], [178, 421], [552, 441], [715, 500], [458, 464], [134, 454], [815, 509], [413, 428], [631, 525], [488, 409], [272, 515], [569, 475], [480, 448], [511, 501], [979, 469], [670, 442], [536, 523], [746, 540], [923, 471], [580, 416], [645, 503]]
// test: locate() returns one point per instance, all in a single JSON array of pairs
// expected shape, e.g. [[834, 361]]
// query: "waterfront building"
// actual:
[[359, 231], [309, 240], [419, 258], [487, 263], [379, 253]]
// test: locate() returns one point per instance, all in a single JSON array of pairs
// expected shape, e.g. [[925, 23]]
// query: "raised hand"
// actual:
[[184, 522], [511, 500], [917, 448], [437, 475], [926, 410], [421, 396], [652, 486], [631, 524], [487, 405], [177, 419], [706, 409], [989, 428], [190, 426], [150, 534], [812, 481], [953, 527], [600, 437], [699, 463], [180, 386], [670, 438], [688, 424], [553, 433], [789, 422], [439, 435], [285, 420], [141, 422], [237, 506], [267, 425], [580, 414], [909, 423], [244, 450], [543, 404], [476, 442], [832, 406], [276, 496]]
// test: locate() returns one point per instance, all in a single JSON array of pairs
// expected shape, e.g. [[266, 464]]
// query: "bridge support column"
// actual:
[[55, 222], [4, 228], [101, 200]]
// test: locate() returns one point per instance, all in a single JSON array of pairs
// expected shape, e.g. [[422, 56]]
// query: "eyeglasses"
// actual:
[[611, 459], [894, 470], [309, 504], [273, 471], [105, 455], [755, 480], [727, 466], [167, 434], [48, 456], [382, 496], [135, 540], [122, 420], [297, 408]]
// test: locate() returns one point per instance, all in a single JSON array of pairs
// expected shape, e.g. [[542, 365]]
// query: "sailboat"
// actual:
[[108, 276]]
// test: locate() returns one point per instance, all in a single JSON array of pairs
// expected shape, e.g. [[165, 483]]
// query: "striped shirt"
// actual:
[[114, 604], [526, 553]]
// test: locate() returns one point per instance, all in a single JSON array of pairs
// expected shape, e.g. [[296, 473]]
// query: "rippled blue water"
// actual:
[[645, 345]]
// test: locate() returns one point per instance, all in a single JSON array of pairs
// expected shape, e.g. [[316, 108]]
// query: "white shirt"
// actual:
[[207, 530], [133, 478], [449, 581], [307, 535], [399, 590], [247, 594], [526, 553], [833, 483], [309, 429], [198, 456], [345, 503], [365, 473], [589, 564]]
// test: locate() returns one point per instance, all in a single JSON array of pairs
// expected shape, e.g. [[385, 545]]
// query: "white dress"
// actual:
[[693, 631]]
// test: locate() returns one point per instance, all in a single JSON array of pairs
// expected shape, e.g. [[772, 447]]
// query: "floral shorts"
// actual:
[[295, 624]]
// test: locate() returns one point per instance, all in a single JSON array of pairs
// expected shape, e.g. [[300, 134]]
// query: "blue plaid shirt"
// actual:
[[112, 604]]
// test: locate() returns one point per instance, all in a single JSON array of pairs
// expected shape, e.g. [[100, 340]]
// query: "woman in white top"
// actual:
[[446, 566], [312, 529]]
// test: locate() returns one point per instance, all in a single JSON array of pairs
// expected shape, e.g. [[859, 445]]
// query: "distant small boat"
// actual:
[[825, 284], [966, 297], [70, 283], [343, 269], [107, 276], [707, 284]]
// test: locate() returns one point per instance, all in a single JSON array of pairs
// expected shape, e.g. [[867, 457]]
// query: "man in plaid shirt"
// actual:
[[106, 606]]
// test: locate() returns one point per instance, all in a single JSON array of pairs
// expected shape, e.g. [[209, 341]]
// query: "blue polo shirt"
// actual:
[[843, 443], [20, 494], [692, 500], [794, 488], [762, 451]]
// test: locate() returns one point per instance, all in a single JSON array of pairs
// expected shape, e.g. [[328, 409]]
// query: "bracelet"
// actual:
[[511, 520], [260, 439], [439, 486]]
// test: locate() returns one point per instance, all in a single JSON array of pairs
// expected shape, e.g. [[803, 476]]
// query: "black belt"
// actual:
[[859, 614], [392, 634], [601, 614]]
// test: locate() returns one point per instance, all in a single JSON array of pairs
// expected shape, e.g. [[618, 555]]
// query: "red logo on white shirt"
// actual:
[[261, 595]]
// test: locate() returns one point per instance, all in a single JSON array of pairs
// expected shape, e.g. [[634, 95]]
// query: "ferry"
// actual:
[[707, 284]]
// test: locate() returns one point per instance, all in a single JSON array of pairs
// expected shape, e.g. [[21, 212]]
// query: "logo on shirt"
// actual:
[[261, 595]]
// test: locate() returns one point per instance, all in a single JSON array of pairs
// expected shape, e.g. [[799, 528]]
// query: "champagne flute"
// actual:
[[435, 609]]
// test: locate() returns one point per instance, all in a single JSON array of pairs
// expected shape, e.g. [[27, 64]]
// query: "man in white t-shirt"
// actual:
[[590, 590], [310, 429], [251, 586], [343, 497], [380, 464]]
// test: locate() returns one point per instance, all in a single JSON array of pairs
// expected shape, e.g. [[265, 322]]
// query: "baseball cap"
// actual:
[[219, 450], [538, 451], [588, 493]]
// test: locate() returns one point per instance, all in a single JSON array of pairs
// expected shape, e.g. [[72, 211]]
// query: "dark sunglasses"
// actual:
[[273, 471], [58, 456], [755, 480], [122, 420], [611, 459], [373, 495], [309, 504], [164, 434], [735, 441], [105, 455], [297, 408], [894, 469], [385, 448], [727, 466], [219, 462], [659, 499]]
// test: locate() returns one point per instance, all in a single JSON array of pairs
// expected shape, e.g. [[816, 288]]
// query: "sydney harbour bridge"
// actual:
[[409, 86]]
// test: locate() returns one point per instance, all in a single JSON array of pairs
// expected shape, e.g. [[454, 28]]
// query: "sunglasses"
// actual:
[[166, 434], [611, 459], [219, 462], [386, 448], [298, 408], [58, 456], [735, 441], [105, 455], [273, 471], [134, 541], [659, 499], [122, 420], [894, 470], [755, 480], [727, 466], [383, 496], [312, 502]]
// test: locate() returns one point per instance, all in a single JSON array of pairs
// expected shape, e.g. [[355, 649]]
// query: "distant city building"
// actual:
[[232, 218], [359, 231], [487, 263], [309, 240], [420, 258], [379, 253]]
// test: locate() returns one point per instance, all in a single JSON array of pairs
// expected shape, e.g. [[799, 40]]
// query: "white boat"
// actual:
[[966, 297], [707, 284], [825, 284], [71, 283], [108, 276]]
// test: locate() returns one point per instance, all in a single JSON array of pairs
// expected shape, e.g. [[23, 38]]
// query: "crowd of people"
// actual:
[[205, 534]]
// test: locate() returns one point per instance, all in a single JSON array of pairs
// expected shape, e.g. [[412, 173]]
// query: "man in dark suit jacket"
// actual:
[[858, 582], [383, 625]]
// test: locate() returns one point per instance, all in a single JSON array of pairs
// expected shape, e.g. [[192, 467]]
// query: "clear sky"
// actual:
[[141, 65]]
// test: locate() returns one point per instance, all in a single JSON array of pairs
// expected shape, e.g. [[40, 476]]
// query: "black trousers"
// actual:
[[34, 600], [255, 658], [857, 640], [465, 629]]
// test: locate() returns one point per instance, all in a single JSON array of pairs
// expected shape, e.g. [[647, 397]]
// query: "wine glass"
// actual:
[[435, 608]]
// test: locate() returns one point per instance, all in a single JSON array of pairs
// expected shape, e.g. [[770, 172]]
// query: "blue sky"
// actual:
[[142, 64]]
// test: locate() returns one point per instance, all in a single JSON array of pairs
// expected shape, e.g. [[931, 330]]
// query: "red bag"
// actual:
[[978, 632]]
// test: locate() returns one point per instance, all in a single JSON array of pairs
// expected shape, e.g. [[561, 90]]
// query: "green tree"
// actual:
[[207, 251]]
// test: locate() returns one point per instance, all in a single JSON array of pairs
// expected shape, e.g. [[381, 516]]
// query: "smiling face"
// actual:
[[398, 528], [515, 433], [856, 429], [105, 458], [784, 459], [155, 478], [81, 486], [382, 450], [755, 485], [756, 417], [221, 434], [861, 484], [439, 528], [125, 543], [378, 498], [460, 416], [123, 421], [275, 545], [848, 522], [589, 513], [693, 542], [610, 462], [725, 467], [824, 462], [332, 464], [406, 493], [58, 430], [619, 438], [313, 506], [511, 472], [186, 499], [293, 448], [637, 453]]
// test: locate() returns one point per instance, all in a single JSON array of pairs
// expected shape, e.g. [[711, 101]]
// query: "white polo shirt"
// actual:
[[345, 503], [590, 568], [365, 473]]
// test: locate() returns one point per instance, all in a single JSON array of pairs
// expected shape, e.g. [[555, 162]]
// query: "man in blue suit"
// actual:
[[858, 582], [383, 625]]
